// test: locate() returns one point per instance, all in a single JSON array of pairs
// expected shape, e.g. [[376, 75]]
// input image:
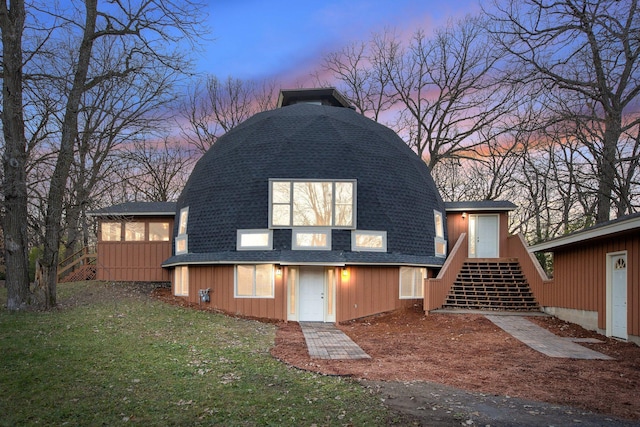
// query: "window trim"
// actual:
[[310, 230], [272, 283], [240, 233], [166, 238], [135, 223], [413, 284], [179, 239], [119, 223], [182, 227], [356, 248], [291, 182], [181, 271]]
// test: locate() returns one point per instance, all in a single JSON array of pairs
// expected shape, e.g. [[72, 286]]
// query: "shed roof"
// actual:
[[625, 224], [137, 209], [482, 205]]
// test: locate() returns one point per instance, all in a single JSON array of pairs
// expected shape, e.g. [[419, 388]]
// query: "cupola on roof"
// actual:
[[229, 189]]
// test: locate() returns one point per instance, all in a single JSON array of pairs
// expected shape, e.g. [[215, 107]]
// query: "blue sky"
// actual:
[[286, 39]]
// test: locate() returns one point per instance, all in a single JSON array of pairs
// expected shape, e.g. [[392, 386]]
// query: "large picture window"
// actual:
[[312, 203], [412, 282], [254, 281]]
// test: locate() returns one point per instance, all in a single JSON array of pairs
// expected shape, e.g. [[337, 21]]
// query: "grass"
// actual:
[[115, 356]]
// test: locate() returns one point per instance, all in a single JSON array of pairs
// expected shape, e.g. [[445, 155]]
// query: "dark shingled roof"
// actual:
[[482, 205], [229, 187], [137, 209]]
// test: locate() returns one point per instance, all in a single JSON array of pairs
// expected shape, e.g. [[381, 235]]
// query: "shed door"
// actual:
[[483, 236], [311, 294], [619, 296]]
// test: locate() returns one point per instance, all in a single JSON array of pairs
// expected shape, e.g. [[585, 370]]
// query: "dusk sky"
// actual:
[[286, 39]]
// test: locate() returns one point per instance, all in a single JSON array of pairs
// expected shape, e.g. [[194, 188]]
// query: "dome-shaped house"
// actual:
[[308, 212]]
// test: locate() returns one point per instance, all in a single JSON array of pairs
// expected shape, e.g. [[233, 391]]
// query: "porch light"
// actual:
[[278, 270], [464, 215], [345, 272]]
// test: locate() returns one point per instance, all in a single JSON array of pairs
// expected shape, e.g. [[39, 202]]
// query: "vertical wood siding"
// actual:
[[133, 261], [580, 278], [220, 280], [369, 290], [456, 225]]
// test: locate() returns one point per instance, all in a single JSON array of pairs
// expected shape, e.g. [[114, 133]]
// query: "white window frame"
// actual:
[[354, 241], [183, 238], [183, 220], [248, 232], [181, 281], [417, 289], [291, 182], [438, 221], [255, 266], [310, 230]]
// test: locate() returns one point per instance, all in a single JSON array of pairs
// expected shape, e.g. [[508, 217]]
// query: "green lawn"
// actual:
[[117, 356]]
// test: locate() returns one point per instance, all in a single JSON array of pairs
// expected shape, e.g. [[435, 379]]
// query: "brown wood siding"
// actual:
[[220, 280], [456, 225], [536, 277], [437, 288], [368, 290], [580, 278], [133, 261]]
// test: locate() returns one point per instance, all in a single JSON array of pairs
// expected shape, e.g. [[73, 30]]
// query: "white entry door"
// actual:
[[619, 296], [483, 236], [311, 294]]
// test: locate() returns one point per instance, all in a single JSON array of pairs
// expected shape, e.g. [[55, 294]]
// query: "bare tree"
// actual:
[[585, 50], [146, 36], [361, 77], [157, 170], [446, 88], [214, 107]]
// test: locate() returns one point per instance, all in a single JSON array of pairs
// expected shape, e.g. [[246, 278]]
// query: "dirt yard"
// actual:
[[468, 352]]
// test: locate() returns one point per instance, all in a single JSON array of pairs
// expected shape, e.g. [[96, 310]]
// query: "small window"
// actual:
[[181, 281], [439, 224], [134, 231], [182, 244], [254, 240], [111, 231], [412, 282], [159, 231], [311, 239], [182, 222], [368, 241], [254, 281], [440, 243]]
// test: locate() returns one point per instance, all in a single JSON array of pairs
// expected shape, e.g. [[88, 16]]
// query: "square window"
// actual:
[[159, 231], [254, 281], [110, 231], [134, 231], [182, 244]]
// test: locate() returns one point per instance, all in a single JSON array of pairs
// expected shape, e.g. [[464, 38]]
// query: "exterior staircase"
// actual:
[[79, 266], [491, 284]]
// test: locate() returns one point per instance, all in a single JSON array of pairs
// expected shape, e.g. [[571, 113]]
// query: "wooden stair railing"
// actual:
[[81, 265], [491, 284]]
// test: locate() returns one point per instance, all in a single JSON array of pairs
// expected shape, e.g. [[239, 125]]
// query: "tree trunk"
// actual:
[[14, 221], [607, 176], [53, 220]]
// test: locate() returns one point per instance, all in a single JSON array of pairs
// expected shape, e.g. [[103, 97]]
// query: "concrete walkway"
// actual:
[[544, 341], [325, 341]]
